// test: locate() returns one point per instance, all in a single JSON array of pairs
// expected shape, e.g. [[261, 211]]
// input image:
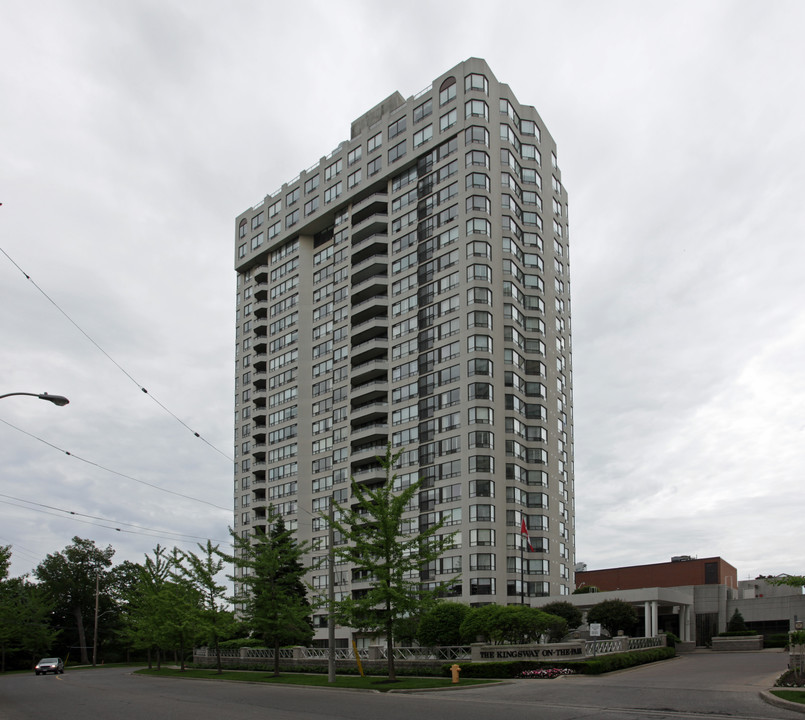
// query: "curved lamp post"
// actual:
[[59, 400]]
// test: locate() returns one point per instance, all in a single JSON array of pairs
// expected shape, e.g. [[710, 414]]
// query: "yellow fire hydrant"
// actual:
[[455, 669]]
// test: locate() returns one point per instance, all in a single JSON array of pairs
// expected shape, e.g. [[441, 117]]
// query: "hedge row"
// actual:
[[378, 669], [595, 666]]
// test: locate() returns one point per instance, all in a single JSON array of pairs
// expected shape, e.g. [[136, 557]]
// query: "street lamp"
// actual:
[[59, 400]]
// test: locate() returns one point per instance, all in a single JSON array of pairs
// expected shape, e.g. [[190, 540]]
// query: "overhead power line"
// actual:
[[112, 360], [114, 472], [115, 524]]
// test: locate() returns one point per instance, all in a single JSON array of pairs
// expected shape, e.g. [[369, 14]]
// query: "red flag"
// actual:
[[524, 531]]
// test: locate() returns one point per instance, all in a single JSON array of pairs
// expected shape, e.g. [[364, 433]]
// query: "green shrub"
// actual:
[[671, 640], [238, 643], [776, 640], [343, 669]]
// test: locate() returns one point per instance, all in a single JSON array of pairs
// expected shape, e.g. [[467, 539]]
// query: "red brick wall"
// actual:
[[669, 574]]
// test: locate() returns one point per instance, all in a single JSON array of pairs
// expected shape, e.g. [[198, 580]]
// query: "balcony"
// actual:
[[258, 471], [370, 475], [369, 412], [374, 327], [375, 224], [370, 370], [378, 431], [260, 326], [364, 454], [375, 244], [372, 391], [370, 288], [374, 264], [260, 308], [370, 350], [370, 307], [368, 205]]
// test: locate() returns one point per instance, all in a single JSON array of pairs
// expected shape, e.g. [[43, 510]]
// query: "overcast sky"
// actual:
[[134, 132]]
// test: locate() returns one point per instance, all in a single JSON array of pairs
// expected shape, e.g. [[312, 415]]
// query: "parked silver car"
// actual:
[[46, 665]]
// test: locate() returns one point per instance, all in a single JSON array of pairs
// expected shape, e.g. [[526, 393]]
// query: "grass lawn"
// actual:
[[797, 696], [342, 681]]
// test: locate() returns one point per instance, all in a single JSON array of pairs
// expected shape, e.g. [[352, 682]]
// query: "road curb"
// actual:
[[772, 699]]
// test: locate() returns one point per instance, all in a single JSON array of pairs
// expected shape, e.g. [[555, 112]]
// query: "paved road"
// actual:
[[696, 686]]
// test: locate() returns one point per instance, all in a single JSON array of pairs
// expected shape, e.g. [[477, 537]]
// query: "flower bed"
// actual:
[[548, 673]]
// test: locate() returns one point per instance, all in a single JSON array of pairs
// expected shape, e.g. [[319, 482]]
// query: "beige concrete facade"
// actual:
[[412, 287]]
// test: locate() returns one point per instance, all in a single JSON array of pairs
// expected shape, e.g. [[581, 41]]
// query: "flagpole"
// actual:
[[523, 533], [522, 570]]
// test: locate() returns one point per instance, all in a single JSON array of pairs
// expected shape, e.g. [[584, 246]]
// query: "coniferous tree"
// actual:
[[273, 597], [736, 622]]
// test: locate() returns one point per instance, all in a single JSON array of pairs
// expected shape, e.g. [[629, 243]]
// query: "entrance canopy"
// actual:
[[649, 602]]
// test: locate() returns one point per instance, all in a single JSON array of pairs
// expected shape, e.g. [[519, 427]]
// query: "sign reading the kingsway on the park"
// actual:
[[557, 651]]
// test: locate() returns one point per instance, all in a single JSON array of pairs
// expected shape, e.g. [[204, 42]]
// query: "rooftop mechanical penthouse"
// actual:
[[412, 287]]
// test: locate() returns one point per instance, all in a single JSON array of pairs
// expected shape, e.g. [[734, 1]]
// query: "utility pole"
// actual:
[[95, 634], [331, 595]]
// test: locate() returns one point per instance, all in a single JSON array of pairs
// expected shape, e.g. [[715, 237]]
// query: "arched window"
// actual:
[[447, 91]]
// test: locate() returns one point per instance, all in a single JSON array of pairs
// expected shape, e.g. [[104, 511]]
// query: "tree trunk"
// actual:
[[218, 656], [82, 640], [276, 657], [390, 650]]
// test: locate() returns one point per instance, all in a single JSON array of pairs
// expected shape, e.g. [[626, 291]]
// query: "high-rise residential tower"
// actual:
[[413, 288]]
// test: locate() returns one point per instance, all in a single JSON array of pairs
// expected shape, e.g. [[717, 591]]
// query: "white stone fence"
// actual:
[[477, 652]]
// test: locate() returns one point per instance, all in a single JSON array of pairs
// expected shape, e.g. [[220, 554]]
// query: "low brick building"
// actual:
[[683, 570], [707, 594]]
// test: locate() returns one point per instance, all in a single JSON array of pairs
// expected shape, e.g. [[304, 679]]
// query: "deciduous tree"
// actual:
[[69, 578], [441, 624], [390, 559], [202, 572], [572, 615], [614, 615], [24, 614], [511, 624]]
